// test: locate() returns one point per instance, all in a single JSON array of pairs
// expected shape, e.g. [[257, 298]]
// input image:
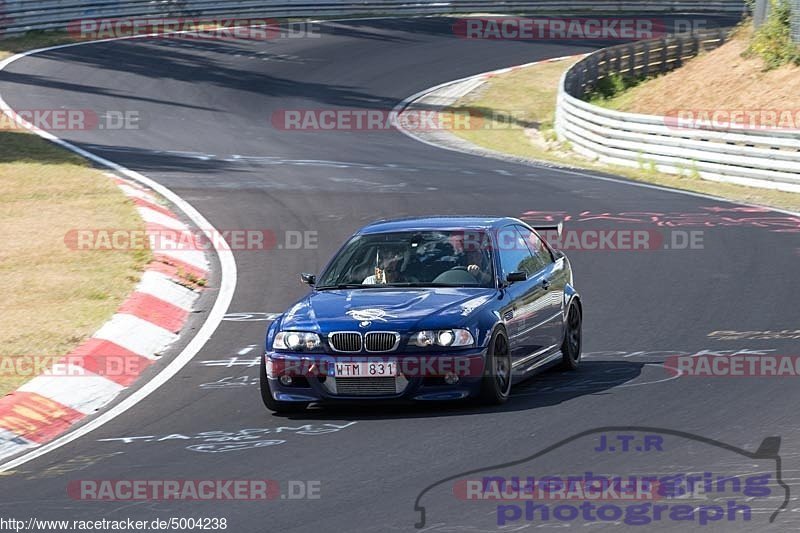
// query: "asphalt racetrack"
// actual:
[[207, 133]]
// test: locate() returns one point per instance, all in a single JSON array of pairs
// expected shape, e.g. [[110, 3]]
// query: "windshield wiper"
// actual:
[[413, 285], [346, 286], [430, 284]]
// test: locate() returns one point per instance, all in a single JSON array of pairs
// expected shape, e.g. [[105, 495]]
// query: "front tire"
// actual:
[[571, 345], [496, 386], [271, 403]]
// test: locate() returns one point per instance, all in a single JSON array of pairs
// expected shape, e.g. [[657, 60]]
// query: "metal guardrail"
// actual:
[[748, 157], [17, 16], [795, 21]]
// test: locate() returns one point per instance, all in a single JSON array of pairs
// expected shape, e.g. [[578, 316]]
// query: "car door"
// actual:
[[550, 275], [522, 312]]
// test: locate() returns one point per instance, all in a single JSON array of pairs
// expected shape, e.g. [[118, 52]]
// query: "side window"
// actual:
[[539, 251], [514, 253]]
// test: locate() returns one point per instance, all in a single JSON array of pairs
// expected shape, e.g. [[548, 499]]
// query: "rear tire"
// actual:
[[496, 386], [571, 345], [271, 403]]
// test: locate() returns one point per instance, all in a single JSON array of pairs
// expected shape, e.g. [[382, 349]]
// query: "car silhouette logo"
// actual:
[[367, 316], [511, 494]]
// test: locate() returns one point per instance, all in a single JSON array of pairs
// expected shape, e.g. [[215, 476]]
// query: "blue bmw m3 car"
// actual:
[[436, 308]]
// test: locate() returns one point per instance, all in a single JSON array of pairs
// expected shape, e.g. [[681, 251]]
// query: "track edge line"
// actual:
[[228, 279]]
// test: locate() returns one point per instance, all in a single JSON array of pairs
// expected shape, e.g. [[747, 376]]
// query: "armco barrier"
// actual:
[[25, 15], [760, 158]]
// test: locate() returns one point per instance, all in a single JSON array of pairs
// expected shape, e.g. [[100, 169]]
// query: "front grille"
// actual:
[[365, 386], [346, 342], [381, 341]]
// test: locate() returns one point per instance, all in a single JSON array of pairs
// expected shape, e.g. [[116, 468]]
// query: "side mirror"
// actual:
[[308, 279], [513, 277], [558, 254]]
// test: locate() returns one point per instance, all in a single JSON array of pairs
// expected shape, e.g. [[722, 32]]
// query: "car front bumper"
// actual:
[[420, 377]]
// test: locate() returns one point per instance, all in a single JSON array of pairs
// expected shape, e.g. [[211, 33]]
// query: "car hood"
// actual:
[[378, 309]]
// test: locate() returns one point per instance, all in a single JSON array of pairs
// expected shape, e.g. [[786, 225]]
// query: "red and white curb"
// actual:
[[146, 323]]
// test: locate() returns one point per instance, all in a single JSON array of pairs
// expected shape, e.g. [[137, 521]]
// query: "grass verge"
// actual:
[[32, 40], [519, 108], [56, 297]]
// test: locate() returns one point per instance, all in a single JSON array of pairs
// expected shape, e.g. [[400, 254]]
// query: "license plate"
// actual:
[[370, 369]]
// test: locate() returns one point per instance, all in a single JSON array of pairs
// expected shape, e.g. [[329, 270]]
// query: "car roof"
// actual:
[[437, 223]]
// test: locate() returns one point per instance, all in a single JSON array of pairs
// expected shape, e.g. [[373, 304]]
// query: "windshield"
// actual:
[[413, 259]]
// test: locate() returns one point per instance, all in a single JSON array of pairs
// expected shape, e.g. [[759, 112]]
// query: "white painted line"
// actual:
[[247, 350], [77, 388], [135, 334], [161, 286], [228, 276], [154, 217], [10, 443]]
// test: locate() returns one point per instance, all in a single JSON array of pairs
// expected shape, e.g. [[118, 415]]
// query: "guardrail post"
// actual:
[[795, 20], [617, 59], [602, 72], [632, 58], [760, 12]]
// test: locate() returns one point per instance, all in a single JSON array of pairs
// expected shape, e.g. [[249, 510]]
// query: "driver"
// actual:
[[471, 257]]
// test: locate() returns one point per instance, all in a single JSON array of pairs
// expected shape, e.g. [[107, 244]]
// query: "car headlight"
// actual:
[[296, 340], [443, 337]]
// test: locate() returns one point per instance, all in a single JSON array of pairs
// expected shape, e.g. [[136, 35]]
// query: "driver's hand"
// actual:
[[474, 269]]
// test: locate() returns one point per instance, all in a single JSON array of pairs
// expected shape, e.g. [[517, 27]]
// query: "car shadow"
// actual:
[[549, 388]]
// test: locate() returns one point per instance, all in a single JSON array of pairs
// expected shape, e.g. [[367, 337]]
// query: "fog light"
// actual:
[[450, 378], [286, 380]]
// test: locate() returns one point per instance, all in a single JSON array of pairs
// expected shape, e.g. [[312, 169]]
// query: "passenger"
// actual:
[[387, 270]]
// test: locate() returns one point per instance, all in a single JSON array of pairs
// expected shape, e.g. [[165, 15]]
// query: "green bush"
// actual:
[[612, 85], [772, 41]]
